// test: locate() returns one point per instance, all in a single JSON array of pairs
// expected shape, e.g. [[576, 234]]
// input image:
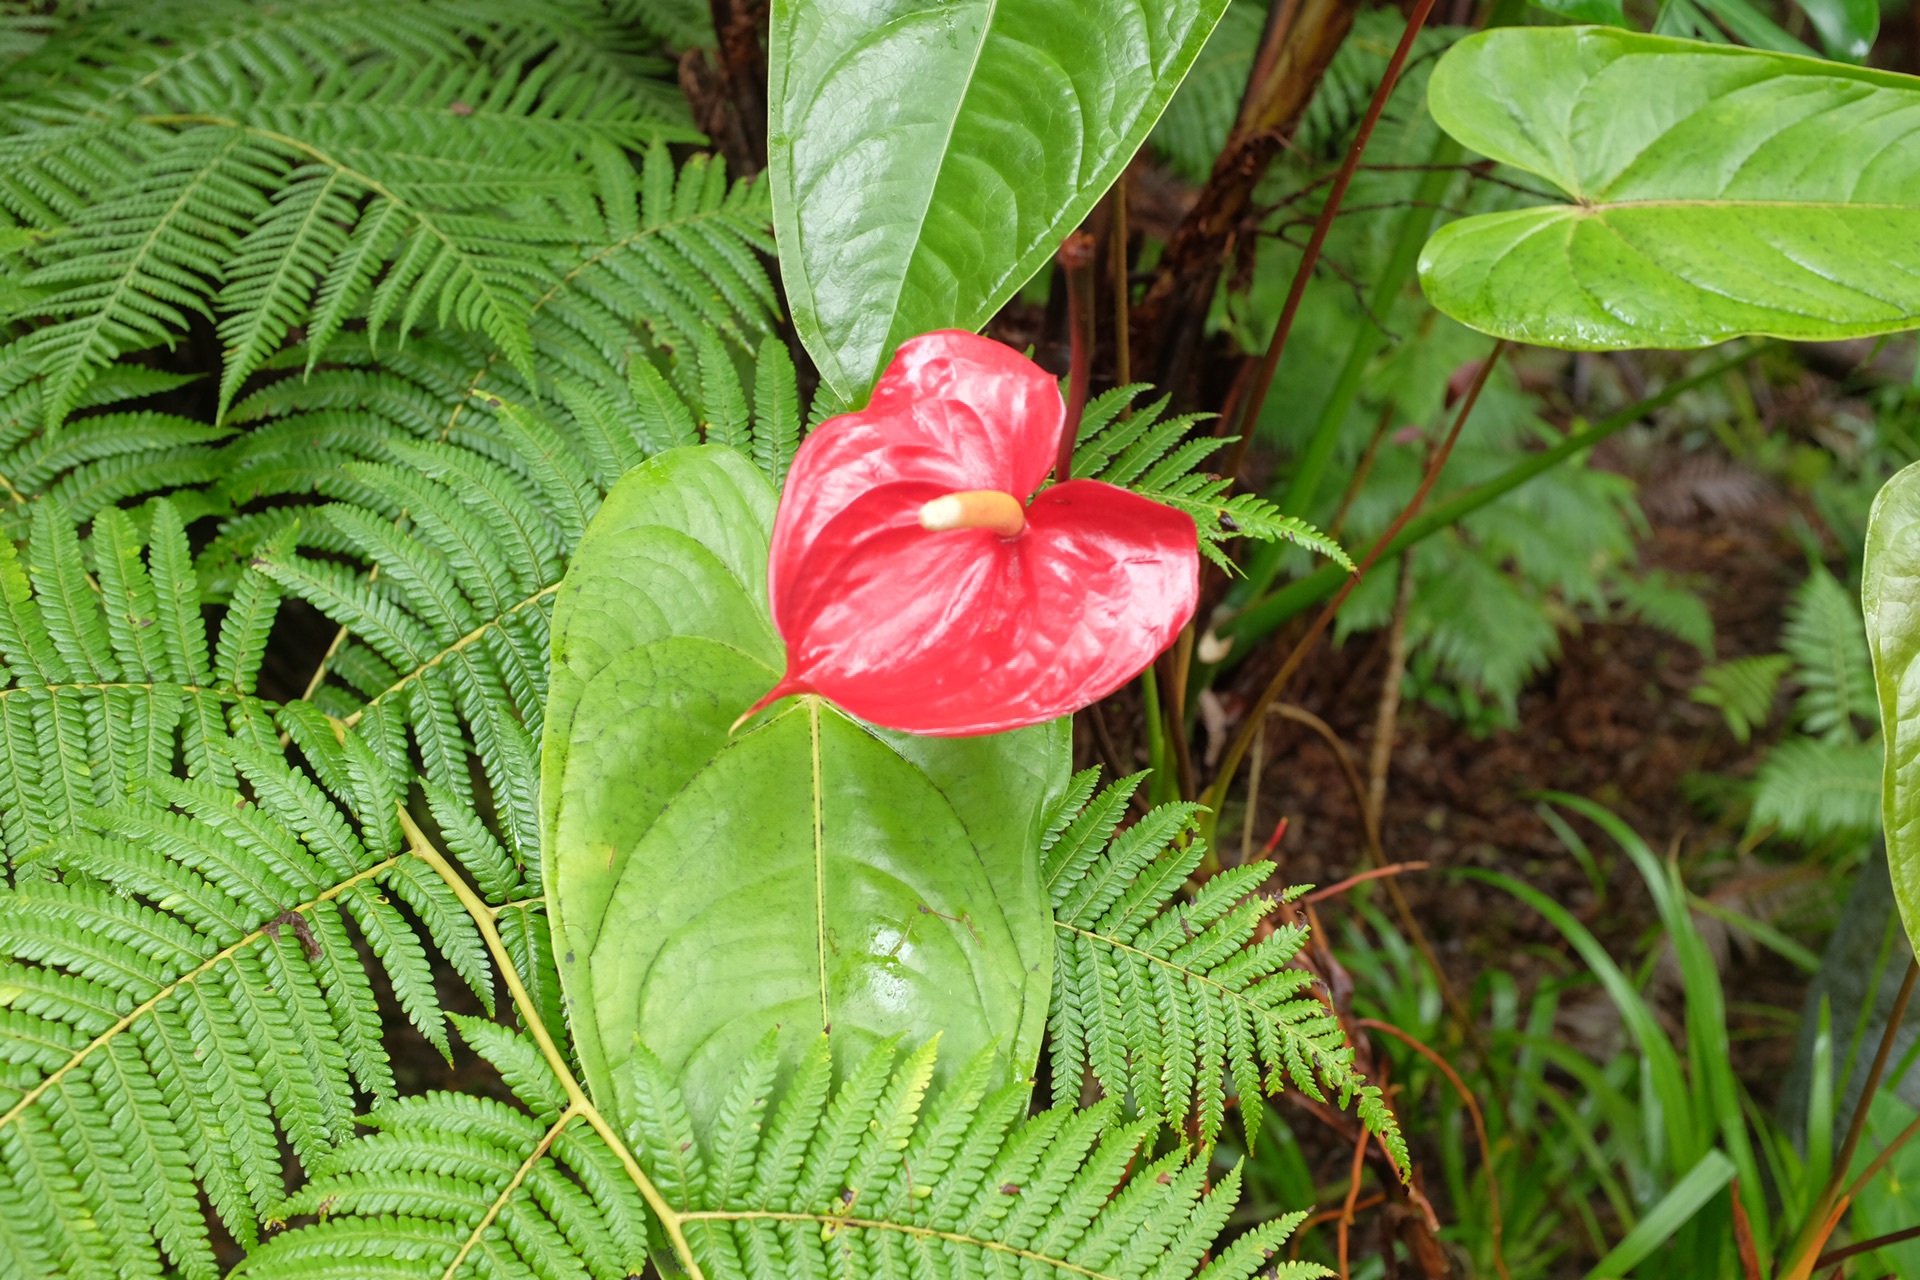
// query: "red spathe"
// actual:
[[965, 632]]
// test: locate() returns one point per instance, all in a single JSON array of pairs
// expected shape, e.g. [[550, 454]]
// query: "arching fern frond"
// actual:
[[1812, 788], [463, 537], [184, 993], [1156, 459], [1828, 644], [874, 1179], [457, 1185], [431, 173], [1162, 998], [1743, 689]]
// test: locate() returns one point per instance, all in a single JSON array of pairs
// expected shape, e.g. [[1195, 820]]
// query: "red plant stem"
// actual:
[[1895, 1018], [1479, 1129], [1743, 1238], [1353, 1196], [1076, 259], [1335, 890], [1250, 417], [1865, 1246], [1273, 841], [1237, 750]]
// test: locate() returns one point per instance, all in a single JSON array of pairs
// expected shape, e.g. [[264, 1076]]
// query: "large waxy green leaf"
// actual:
[[1715, 192], [1890, 600], [809, 870], [928, 156]]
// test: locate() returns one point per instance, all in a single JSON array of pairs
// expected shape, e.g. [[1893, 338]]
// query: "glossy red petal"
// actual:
[[953, 411], [964, 632]]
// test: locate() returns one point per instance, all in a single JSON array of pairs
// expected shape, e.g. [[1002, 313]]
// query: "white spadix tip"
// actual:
[[942, 514]]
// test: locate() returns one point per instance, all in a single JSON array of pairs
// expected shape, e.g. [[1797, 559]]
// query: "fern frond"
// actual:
[[776, 411], [1163, 999], [188, 995], [420, 166], [1809, 789], [98, 459], [104, 680], [1154, 458], [464, 511], [1743, 689], [1047, 1195], [1827, 641], [1663, 602], [895, 1190], [450, 1184]]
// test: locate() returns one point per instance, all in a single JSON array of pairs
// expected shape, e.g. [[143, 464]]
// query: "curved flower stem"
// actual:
[[1076, 259]]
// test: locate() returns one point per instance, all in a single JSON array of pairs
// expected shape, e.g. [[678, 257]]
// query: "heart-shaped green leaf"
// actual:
[[706, 887], [1715, 192], [1890, 601], [928, 156]]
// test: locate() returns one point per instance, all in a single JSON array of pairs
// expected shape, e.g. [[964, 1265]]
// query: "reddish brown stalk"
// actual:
[[1479, 1129], [1301, 40], [1335, 890], [1373, 1201], [1743, 1238], [1237, 750], [1864, 1246], [1076, 259], [1896, 1017], [1250, 416], [1353, 1196]]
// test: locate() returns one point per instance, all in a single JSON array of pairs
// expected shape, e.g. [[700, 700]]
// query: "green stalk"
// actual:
[[1368, 338], [1263, 616], [1161, 784]]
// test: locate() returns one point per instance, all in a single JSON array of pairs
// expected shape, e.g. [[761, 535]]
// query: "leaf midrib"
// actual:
[[926, 205], [940, 169]]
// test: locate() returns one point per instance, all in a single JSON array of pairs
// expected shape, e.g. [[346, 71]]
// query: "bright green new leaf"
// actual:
[[1713, 192], [811, 870], [928, 156], [1890, 599]]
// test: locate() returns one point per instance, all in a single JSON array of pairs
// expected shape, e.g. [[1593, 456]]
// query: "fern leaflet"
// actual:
[[1162, 998], [1154, 458]]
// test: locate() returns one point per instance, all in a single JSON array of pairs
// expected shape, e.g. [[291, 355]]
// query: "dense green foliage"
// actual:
[[430, 326], [460, 286]]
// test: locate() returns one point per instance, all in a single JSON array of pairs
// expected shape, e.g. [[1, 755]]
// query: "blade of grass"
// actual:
[[1675, 1209], [1716, 1093], [1760, 931], [1666, 1083], [1819, 1111]]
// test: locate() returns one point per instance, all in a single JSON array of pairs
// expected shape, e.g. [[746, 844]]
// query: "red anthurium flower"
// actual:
[[920, 583]]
